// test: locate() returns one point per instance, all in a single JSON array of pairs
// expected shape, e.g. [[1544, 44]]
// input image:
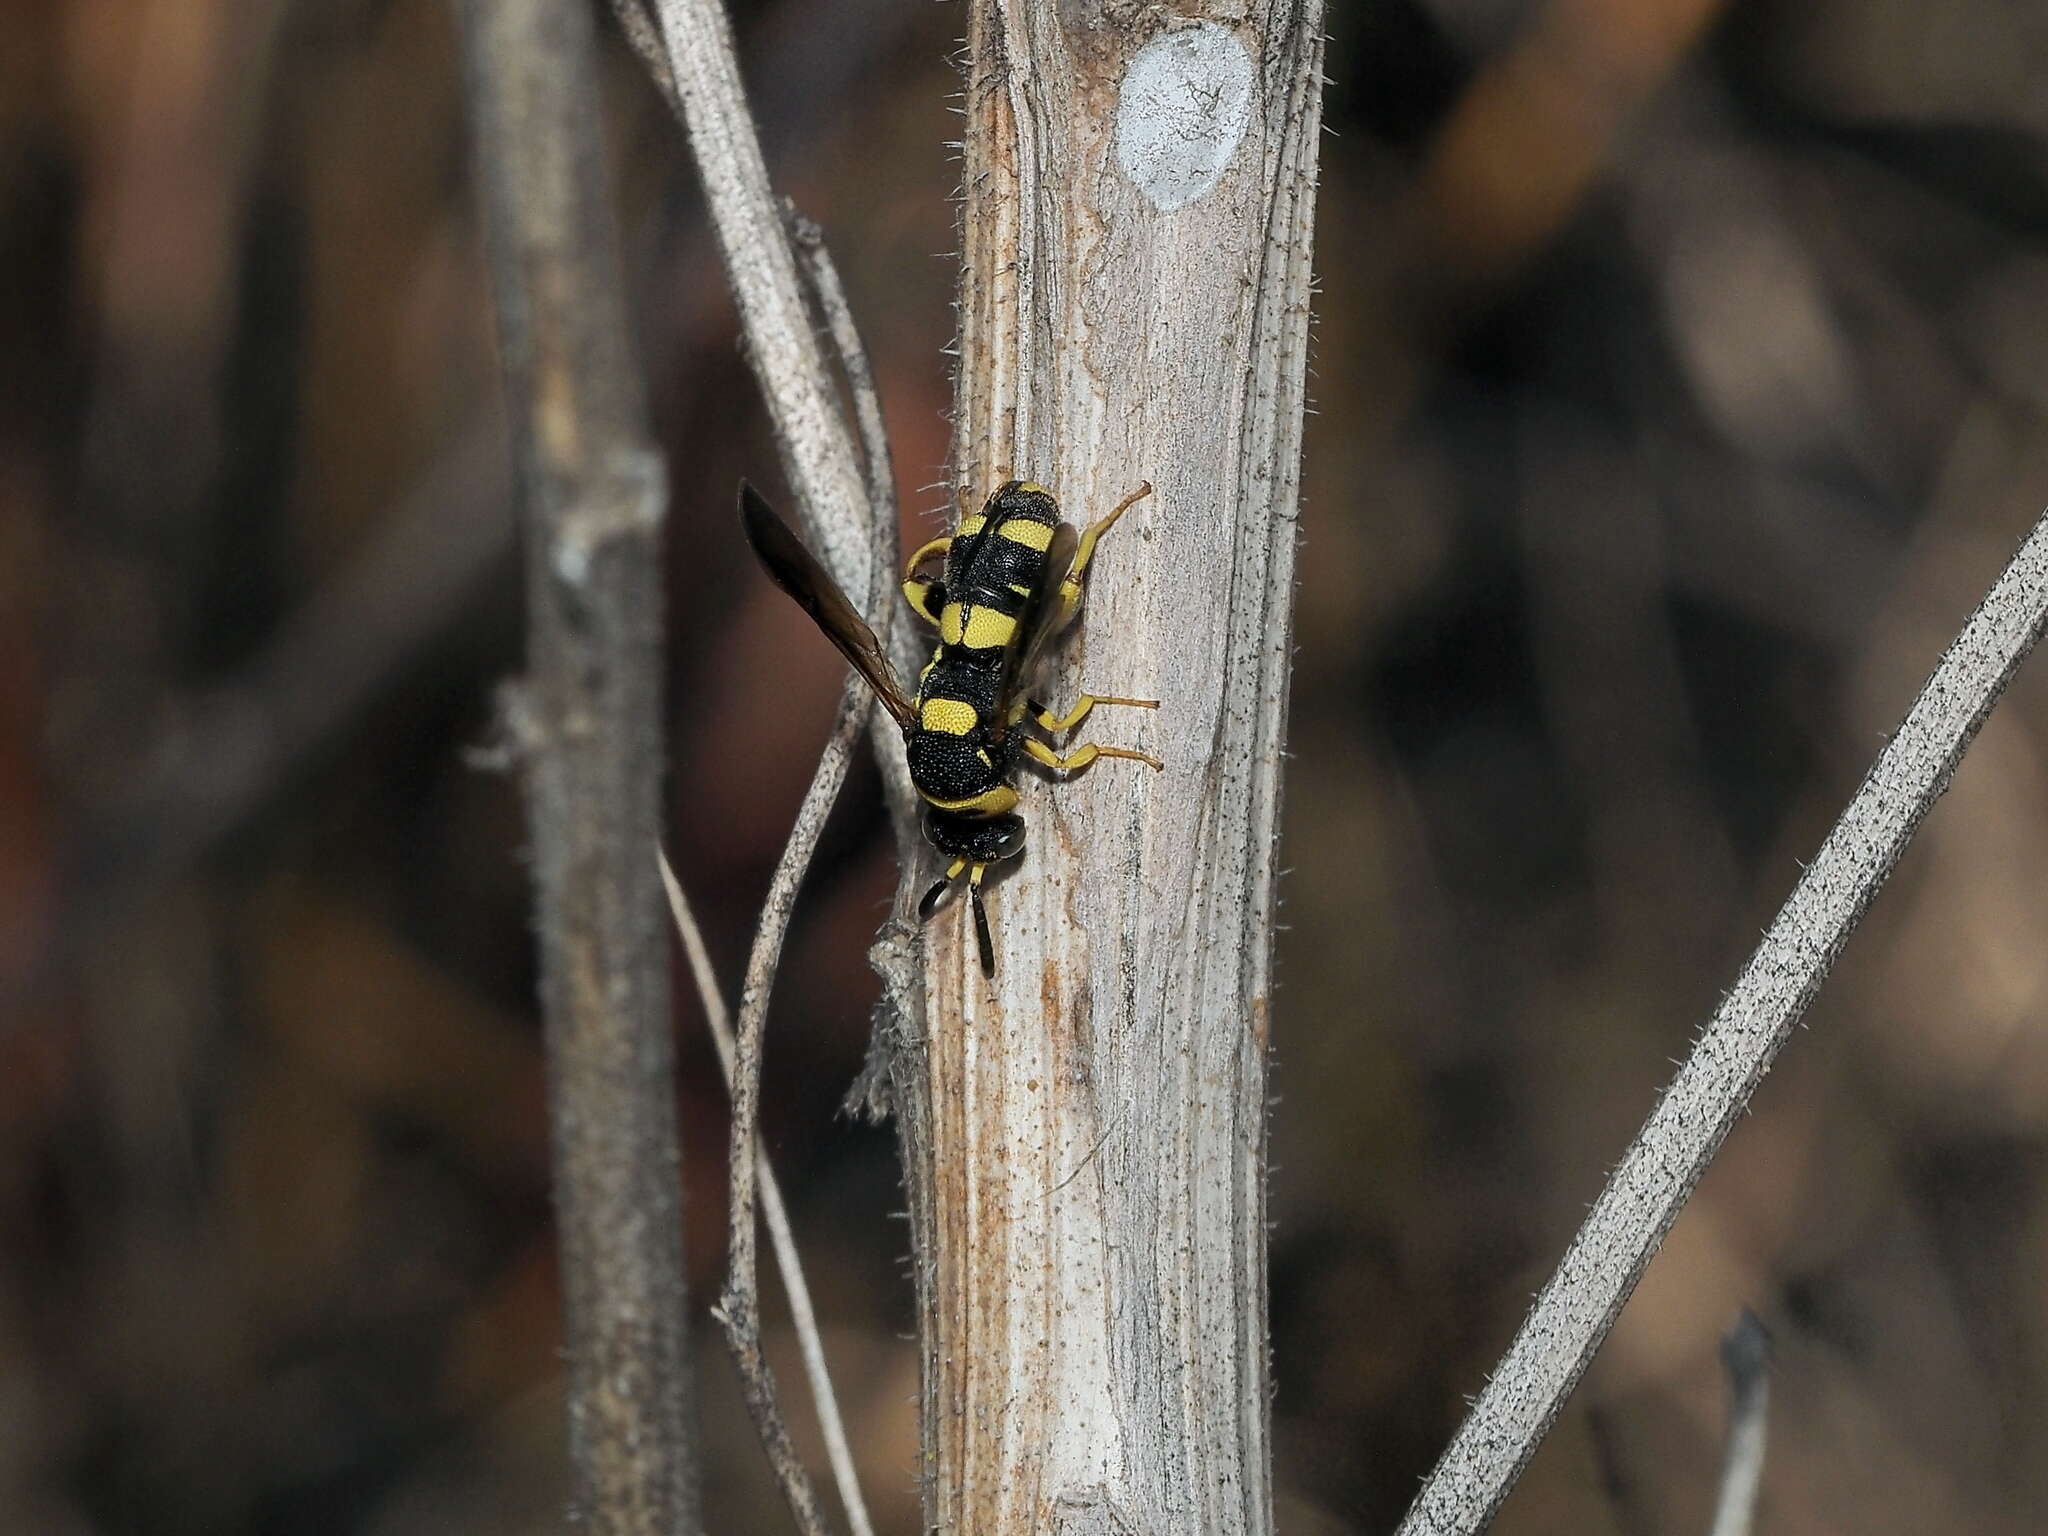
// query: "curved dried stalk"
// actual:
[[816, 447], [1598, 1272], [821, 276], [775, 1216], [739, 1303]]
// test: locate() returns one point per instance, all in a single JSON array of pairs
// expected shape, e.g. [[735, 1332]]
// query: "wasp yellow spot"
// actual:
[[1020, 589], [1022, 530], [949, 624], [970, 526], [951, 716], [986, 760], [1033, 485], [988, 630]]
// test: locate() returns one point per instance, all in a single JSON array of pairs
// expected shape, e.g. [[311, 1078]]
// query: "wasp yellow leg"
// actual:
[[1067, 600], [1065, 604], [917, 591], [1098, 528], [1081, 757], [1058, 725], [934, 550]]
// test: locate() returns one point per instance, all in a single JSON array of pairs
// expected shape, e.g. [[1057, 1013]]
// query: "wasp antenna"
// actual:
[[932, 897], [981, 937]]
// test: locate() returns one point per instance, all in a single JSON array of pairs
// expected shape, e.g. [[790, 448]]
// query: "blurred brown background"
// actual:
[[1682, 381]]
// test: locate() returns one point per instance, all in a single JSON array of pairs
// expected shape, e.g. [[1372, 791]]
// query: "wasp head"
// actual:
[[977, 839]]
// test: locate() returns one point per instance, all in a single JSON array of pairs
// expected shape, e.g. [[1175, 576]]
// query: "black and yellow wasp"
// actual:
[[1012, 582]]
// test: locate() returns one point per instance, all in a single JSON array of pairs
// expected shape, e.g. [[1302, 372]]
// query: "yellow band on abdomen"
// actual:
[[990, 802]]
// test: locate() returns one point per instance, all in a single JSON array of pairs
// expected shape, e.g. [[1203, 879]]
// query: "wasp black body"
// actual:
[[1012, 580]]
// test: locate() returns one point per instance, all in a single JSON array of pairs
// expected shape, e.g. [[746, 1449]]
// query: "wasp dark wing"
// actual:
[[1039, 623], [797, 571]]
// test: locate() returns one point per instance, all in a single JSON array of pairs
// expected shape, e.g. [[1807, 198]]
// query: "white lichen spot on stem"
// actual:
[[1183, 109]]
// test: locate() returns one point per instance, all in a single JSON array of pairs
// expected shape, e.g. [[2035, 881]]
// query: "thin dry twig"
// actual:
[[643, 35], [1661, 1167], [588, 725], [816, 448], [898, 953], [775, 1216], [812, 441], [817, 455], [1746, 1353], [739, 1306], [821, 276]]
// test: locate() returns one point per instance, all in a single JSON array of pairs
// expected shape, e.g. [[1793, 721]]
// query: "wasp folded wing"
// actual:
[[797, 571], [1039, 624]]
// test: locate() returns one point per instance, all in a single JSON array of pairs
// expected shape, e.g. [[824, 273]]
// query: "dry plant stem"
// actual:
[[699, 73], [1579, 1304], [817, 451], [643, 35], [897, 956], [1085, 1151], [775, 1216], [587, 723], [739, 1305], [821, 276], [1747, 1354]]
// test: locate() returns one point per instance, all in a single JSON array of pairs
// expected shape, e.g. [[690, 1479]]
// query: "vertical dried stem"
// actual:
[[1086, 1147], [587, 721]]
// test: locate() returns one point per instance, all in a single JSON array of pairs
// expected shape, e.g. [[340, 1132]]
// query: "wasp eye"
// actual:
[[1006, 838]]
